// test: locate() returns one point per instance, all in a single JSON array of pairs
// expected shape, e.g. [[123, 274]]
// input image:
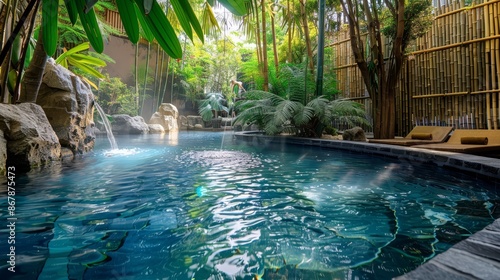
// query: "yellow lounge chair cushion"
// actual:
[[421, 136], [474, 140]]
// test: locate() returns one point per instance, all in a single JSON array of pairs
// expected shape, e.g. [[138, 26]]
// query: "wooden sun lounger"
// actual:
[[470, 141], [419, 135]]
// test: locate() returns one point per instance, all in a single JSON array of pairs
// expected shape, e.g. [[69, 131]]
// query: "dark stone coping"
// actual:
[[477, 257], [478, 165]]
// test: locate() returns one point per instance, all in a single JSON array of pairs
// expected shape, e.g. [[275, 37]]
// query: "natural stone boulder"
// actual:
[[30, 139], [3, 153], [68, 103], [166, 116], [354, 134], [156, 128], [194, 122], [183, 122], [125, 124]]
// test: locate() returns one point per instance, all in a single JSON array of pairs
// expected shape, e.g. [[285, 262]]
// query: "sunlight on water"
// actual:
[[121, 152]]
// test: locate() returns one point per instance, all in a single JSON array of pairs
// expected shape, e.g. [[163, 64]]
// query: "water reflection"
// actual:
[[190, 210]]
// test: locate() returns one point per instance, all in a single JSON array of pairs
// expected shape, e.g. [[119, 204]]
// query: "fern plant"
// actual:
[[295, 109]]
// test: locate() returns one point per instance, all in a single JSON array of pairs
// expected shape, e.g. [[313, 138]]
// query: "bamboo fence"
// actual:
[[452, 76]]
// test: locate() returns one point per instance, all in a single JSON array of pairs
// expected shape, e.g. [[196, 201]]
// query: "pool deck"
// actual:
[[478, 256]]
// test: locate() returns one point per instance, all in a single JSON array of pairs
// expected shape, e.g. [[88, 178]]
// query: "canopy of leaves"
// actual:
[[418, 19]]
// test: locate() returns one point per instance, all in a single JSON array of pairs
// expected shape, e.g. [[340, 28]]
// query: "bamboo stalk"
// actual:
[[460, 44], [496, 65], [439, 95], [475, 6], [488, 65], [481, 60], [468, 78]]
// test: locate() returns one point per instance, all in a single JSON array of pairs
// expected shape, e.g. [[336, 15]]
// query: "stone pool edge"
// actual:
[[478, 256]]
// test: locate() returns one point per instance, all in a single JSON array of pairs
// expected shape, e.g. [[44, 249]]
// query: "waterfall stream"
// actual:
[[107, 125]]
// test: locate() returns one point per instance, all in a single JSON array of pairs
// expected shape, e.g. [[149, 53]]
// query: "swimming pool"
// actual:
[[199, 205]]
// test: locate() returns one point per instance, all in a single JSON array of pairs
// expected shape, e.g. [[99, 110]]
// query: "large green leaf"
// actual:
[[16, 50], [29, 54], [89, 23], [72, 10], [129, 19], [89, 60], [89, 4], [183, 18], [188, 15], [85, 68], [237, 7], [49, 25], [161, 29], [84, 62], [83, 46], [146, 32]]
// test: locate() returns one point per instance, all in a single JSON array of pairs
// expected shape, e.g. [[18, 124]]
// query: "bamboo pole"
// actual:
[[468, 78], [487, 14], [496, 65], [461, 44], [466, 9], [480, 67]]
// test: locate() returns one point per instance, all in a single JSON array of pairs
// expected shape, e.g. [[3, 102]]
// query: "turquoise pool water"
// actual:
[[182, 207]]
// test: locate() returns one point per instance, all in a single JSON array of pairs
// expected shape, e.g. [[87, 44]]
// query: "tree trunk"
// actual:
[[380, 80], [290, 33], [275, 49], [257, 32], [32, 79], [265, 67], [303, 15]]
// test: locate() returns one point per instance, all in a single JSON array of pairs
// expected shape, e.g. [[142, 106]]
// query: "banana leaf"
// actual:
[[72, 10], [129, 19], [236, 7], [49, 25], [90, 25], [83, 46], [146, 32], [161, 29]]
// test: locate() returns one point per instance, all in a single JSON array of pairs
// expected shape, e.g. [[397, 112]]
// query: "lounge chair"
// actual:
[[470, 141], [419, 135]]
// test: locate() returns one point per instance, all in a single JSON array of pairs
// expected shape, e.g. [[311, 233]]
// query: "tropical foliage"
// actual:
[[115, 97], [294, 107], [212, 105], [77, 58]]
